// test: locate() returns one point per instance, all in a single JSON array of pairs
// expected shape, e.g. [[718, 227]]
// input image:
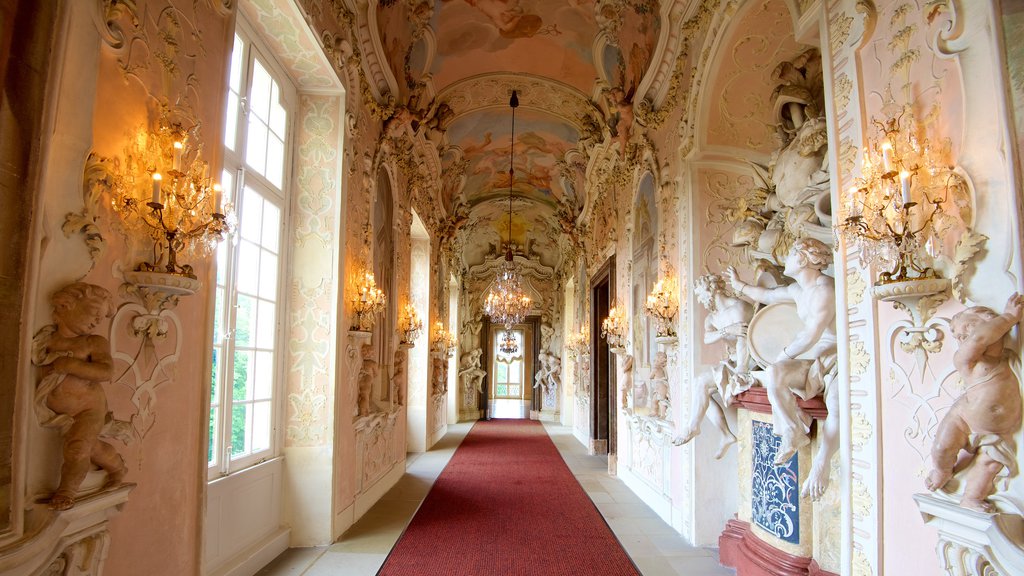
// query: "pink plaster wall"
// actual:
[[158, 531], [899, 66]]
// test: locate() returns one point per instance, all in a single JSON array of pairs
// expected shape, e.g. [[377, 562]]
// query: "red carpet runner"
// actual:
[[506, 504]]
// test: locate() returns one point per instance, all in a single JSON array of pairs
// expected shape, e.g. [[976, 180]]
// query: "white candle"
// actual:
[[905, 186], [177, 156], [218, 199], [853, 201], [887, 157], [156, 187]]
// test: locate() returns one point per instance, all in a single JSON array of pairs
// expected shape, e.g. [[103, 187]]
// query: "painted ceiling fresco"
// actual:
[[540, 37], [470, 54], [485, 140]]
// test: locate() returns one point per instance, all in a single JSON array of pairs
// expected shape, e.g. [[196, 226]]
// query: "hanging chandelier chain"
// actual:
[[507, 303]]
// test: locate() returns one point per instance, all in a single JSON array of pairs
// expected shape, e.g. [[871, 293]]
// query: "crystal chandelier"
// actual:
[[508, 345], [507, 303]]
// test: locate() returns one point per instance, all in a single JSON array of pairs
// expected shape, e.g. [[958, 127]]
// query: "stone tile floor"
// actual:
[[656, 549]]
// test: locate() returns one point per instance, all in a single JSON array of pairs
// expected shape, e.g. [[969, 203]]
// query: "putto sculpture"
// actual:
[[985, 417], [75, 363]]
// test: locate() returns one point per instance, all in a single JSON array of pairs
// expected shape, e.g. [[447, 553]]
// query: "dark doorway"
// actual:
[[602, 400]]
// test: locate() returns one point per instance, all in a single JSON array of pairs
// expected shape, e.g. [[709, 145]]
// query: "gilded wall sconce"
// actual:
[[367, 301], [162, 191]]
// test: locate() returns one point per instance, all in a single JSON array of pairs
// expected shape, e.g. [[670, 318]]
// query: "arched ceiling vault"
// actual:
[[582, 70]]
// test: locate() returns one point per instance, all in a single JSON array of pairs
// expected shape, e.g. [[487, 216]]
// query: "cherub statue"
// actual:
[[437, 375], [727, 320], [627, 382], [75, 363], [368, 374], [985, 417], [660, 401], [398, 380], [789, 377]]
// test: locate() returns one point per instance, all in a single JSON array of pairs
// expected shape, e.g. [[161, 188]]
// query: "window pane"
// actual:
[[241, 422], [215, 377], [260, 426], [501, 389], [211, 451], [271, 227], [502, 372], [218, 316], [236, 64], [514, 368], [266, 325], [251, 224], [278, 115], [275, 161], [256, 146], [248, 268], [264, 375], [242, 386], [231, 121], [262, 85], [268, 275], [244, 320], [222, 263], [227, 184]]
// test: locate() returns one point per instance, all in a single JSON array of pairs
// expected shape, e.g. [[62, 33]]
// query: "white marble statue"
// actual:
[[470, 373], [627, 383], [661, 401], [554, 381], [985, 417], [716, 387], [791, 375]]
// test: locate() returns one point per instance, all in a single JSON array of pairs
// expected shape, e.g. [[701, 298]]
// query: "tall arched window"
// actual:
[[247, 341]]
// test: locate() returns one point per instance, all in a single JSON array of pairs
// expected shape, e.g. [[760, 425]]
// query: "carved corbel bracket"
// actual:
[[919, 299], [670, 344], [973, 542]]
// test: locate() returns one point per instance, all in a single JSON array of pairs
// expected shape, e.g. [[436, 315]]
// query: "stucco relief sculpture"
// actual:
[[472, 376], [398, 379], [439, 373], [985, 417], [75, 362], [548, 378], [807, 365], [627, 384], [369, 372], [716, 387], [661, 402], [796, 201]]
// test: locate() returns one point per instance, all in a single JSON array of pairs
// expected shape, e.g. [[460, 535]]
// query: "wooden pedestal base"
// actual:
[[739, 548]]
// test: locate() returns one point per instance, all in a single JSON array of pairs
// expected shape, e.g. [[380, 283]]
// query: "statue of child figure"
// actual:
[[75, 363], [985, 417]]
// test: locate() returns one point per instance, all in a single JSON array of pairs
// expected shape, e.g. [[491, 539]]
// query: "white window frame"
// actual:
[[234, 163]]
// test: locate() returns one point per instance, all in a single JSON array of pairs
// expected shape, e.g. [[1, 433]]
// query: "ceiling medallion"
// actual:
[[507, 303]]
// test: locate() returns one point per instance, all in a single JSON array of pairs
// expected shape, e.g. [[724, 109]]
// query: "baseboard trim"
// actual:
[[253, 559]]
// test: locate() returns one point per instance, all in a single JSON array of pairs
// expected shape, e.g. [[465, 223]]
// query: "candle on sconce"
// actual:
[[853, 201], [178, 147], [905, 186], [887, 156], [156, 187], [218, 199]]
